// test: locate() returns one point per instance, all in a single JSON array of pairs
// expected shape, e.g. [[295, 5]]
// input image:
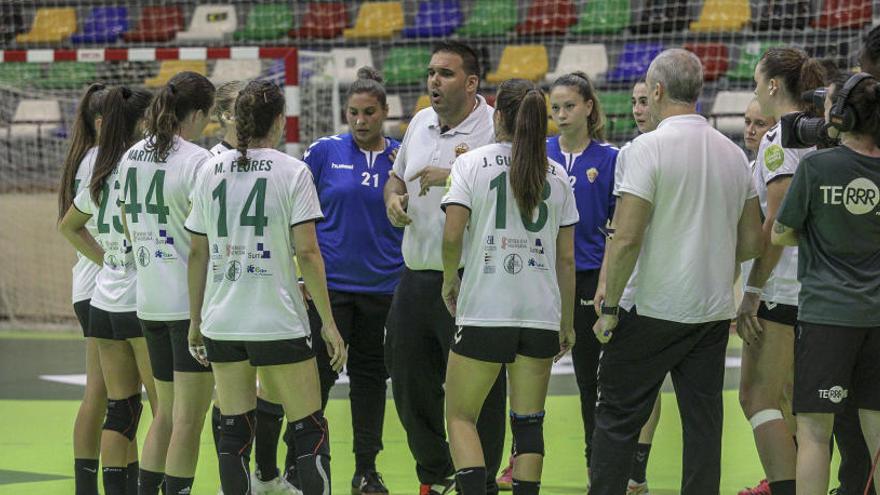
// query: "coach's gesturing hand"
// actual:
[[196, 343], [431, 177], [604, 328], [396, 209], [336, 348], [747, 325]]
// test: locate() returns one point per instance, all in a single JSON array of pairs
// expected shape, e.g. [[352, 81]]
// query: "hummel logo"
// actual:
[[771, 137], [585, 302], [309, 341], [458, 335], [93, 471]]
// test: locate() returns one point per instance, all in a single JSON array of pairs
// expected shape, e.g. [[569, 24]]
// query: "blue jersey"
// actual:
[[361, 248], [591, 174]]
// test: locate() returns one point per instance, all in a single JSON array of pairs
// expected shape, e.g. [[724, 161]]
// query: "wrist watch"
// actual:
[[610, 310]]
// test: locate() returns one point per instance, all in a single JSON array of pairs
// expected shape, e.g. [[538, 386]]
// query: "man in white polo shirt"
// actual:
[[419, 329], [688, 213]]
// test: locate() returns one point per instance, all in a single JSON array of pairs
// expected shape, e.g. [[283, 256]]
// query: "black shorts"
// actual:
[[835, 366], [169, 348], [262, 353], [113, 326], [783, 314], [81, 308], [503, 344]]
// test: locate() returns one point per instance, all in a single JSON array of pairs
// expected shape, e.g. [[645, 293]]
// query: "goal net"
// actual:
[[51, 50]]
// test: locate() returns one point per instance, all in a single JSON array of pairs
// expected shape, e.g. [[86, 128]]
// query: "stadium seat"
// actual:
[[51, 25], [662, 16], [749, 56], [103, 25], [714, 57], [347, 61], [266, 22], [68, 75], [617, 107], [591, 59], [322, 20], [11, 23], [548, 17], [210, 22], [435, 18], [156, 24], [171, 67], [19, 73], [603, 17], [781, 14], [723, 15], [732, 104], [35, 118], [422, 103], [377, 20], [633, 62], [490, 18], [522, 61], [235, 70], [395, 114], [406, 64], [842, 14]]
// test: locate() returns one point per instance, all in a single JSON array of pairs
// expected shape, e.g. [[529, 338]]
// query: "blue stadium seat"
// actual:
[[435, 19], [103, 25], [633, 62]]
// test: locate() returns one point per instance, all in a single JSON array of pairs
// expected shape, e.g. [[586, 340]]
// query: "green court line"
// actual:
[[9, 477], [73, 334]]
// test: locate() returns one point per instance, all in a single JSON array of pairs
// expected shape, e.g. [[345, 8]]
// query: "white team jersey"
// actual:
[[771, 162], [220, 148], [510, 262], [116, 283], [425, 144], [156, 202], [84, 271], [247, 214]]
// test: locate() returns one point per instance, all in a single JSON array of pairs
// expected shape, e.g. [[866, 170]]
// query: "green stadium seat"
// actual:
[[266, 22], [749, 55], [603, 16], [68, 75], [490, 18], [617, 106], [406, 65], [19, 73]]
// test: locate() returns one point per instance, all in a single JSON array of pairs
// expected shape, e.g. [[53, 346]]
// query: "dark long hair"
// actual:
[[256, 108], [584, 86], [524, 116], [369, 81], [84, 137], [797, 71], [122, 109], [186, 92], [864, 100]]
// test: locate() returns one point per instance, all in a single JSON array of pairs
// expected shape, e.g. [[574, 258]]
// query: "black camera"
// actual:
[[800, 130]]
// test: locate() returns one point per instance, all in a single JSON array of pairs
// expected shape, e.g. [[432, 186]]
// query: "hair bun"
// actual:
[[367, 72]]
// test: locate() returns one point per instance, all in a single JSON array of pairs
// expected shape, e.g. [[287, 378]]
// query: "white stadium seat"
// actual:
[[730, 102], [347, 61], [235, 70], [591, 59], [210, 22], [35, 117]]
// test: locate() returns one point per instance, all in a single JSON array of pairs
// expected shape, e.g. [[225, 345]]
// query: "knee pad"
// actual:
[[123, 416], [311, 435], [237, 435], [528, 433], [765, 416]]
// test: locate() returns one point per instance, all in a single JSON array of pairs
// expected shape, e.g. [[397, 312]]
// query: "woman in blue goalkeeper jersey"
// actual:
[[112, 319], [362, 251], [77, 172]]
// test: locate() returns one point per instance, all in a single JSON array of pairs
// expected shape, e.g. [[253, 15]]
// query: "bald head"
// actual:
[[680, 74]]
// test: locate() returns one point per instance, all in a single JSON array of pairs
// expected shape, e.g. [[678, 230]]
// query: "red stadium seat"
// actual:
[[714, 57], [157, 24], [322, 20], [548, 17], [840, 14]]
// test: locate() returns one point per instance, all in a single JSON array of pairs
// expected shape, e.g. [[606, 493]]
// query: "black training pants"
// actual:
[[418, 336], [585, 354], [855, 459], [631, 371]]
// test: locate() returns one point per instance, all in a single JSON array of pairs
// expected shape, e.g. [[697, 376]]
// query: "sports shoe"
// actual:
[[275, 486], [763, 488], [634, 488], [505, 479], [371, 483], [445, 488]]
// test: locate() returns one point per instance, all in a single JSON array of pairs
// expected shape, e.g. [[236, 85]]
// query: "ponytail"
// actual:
[[123, 108], [813, 75], [185, 93], [83, 137], [796, 71], [528, 161], [256, 108]]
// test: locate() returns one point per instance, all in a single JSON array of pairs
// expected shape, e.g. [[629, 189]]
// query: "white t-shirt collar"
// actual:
[[468, 125], [690, 117]]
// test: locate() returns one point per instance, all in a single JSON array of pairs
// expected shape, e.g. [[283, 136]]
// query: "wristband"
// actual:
[[751, 289]]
